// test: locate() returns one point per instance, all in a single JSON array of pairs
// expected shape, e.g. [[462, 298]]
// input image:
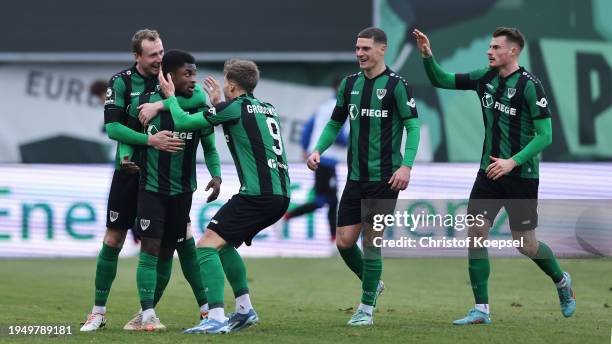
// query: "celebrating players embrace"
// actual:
[[158, 114]]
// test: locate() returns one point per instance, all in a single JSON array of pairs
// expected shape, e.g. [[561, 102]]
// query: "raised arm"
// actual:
[[438, 76]]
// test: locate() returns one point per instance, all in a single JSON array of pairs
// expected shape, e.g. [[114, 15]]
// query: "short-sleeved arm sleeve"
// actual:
[[224, 112], [536, 100], [114, 105], [404, 101], [340, 112]]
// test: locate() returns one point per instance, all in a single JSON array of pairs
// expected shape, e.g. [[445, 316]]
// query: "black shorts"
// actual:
[[519, 196], [162, 216], [122, 201], [350, 209], [242, 217]]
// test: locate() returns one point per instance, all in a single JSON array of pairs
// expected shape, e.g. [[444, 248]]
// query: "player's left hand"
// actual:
[[128, 166], [499, 167], [215, 184], [148, 111], [166, 84], [400, 179], [213, 89]]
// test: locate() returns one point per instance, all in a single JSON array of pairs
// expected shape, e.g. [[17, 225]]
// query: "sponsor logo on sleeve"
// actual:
[[542, 102]]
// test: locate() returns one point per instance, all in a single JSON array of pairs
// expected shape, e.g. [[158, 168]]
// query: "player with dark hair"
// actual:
[[379, 106], [167, 182], [517, 128]]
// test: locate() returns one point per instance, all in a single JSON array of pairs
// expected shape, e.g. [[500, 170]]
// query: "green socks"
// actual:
[[367, 267], [191, 269], [354, 259], [372, 270], [235, 270], [146, 279], [164, 271], [106, 270], [479, 268], [211, 268], [547, 262]]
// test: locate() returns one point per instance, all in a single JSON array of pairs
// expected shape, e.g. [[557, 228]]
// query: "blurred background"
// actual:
[[55, 159]]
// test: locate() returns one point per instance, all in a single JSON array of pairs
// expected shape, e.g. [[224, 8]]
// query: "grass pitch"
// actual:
[[310, 300]]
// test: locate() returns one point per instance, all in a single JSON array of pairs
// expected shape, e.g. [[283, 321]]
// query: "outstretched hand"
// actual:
[[422, 43], [213, 89]]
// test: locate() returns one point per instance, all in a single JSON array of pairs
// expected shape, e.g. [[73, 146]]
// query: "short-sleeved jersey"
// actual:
[[376, 109], [121, 88], [253, 135], [163, 172], [509, 107]]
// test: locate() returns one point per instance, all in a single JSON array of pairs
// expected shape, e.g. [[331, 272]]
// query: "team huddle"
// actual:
[[158, 114]]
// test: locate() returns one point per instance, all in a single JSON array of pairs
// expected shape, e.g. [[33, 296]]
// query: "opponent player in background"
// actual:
[[379, 105], [325, 187], [140, 79], [253, 135], [517, 128]]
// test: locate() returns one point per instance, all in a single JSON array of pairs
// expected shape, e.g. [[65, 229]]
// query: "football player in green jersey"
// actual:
[[379, 106], [167, 182], [253, 134], [517, 128], [141, 77]]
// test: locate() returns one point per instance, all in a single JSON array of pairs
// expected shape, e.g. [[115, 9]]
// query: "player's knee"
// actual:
[[150, 246], [211, 239], [343, 242], [114, 237], [166, 252], [481, 231], [529, 247], [188, 233]]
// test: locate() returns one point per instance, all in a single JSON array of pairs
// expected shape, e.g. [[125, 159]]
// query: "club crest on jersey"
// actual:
[[411, 103], [353, 111], [487, 100], [144, 224], [380, 93], [152, 129], [511, 92], [542, 102], [113, 216]]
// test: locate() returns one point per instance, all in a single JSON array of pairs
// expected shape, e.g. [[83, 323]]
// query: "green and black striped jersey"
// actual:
[[121, 88], [376, 109], [253, 135], [509, 107], [171, 173]]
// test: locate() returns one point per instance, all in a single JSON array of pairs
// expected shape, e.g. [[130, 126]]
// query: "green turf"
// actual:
[[309, 301]]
